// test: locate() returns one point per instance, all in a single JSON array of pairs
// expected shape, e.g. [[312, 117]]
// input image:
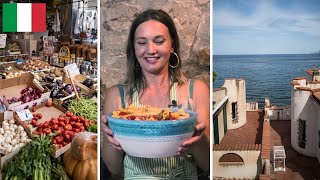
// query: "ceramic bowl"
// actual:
[[152, 139]]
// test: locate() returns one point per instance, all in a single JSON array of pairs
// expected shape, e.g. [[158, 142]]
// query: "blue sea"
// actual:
[[266, 75]]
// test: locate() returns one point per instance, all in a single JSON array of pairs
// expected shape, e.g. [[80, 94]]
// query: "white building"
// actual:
[[305, 114], [239, 161]]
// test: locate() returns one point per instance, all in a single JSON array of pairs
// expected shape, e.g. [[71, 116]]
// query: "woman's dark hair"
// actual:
[[135, 78]]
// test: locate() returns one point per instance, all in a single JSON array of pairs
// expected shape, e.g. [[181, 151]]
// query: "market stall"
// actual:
[[48, 95]]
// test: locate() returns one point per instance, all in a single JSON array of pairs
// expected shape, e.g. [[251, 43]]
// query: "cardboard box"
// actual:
[[14, 69], [47, 113], [77, 78], [12, 88]]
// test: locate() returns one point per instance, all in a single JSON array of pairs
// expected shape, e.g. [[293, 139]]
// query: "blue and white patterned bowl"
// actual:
[[152, 139]]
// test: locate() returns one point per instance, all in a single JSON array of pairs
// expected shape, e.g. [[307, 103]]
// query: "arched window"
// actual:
[[231, 159]]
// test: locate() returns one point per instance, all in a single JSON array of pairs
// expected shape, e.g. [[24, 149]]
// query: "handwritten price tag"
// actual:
[[73, 69], [25, 115]]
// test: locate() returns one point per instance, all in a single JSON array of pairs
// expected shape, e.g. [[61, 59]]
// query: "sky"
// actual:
[[266, 26]]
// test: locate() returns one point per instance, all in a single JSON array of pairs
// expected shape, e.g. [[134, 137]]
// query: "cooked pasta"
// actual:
[[148, 113]]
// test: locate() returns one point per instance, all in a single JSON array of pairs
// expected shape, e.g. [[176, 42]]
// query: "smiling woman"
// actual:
[[155, 78]]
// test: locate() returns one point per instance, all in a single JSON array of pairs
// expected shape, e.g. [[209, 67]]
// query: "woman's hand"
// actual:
[[109, 133], [197, 136]]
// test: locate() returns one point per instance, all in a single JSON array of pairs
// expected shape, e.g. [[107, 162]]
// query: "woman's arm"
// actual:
[[111, 151], [199, 143]]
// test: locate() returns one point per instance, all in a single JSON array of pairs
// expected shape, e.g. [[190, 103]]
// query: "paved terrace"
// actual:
[[298, 166], [250, 133]]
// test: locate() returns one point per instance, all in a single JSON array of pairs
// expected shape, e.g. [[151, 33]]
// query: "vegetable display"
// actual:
[[84, 107], [12, 136], [27, 94], [62, 129], [32, 162]]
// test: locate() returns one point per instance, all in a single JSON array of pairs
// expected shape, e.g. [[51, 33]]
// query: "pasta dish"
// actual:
[[148, 113]]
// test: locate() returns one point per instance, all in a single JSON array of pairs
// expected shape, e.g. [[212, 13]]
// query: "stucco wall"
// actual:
[[236, 90], [218, 95], [279, 113], [250, 169], [192, 19], [252, 106], [306, 108]]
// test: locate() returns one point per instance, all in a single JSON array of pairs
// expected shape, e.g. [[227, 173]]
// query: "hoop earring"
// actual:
[[175, 66]]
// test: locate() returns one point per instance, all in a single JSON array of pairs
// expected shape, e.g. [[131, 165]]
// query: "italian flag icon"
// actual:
[[24, 17]]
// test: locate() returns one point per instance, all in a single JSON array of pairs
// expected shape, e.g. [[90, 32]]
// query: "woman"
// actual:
[[154, 78]]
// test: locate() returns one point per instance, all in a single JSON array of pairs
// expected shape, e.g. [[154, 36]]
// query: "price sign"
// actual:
[[3, 38], [25, 115], [73, 69]]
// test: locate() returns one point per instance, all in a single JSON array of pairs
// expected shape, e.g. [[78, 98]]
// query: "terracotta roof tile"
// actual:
[[231, 158], [237, 147], [265, 151], [299, 78], [310, 71], [304, 89]]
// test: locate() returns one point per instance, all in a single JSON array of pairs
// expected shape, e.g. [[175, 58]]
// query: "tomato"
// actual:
[[82, 128], [35, 132], [34, 123], [76, 130], [67, 121], [39, 115], [39, 128], [64, 143], [74, 118], [68, 127], [58, 131], [59, 139], [34, 109], [54, 141], [131, 117], [45, 125], [171, 117], [66, 136], [123, 113], [86, 124], [49, 104], [62, 124], [69, 114], [77, 125], [60, 118], [72, 123], [35, 118], [54, 127], [47, 131]]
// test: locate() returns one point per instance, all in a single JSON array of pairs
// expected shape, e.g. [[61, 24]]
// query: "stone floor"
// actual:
[[250, 133], [297, 166]]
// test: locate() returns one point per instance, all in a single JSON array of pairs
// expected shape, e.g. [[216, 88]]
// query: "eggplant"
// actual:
[[88, 82], [54, 93], [68, 88], [49, 78], [51, 85], [59, 82]]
